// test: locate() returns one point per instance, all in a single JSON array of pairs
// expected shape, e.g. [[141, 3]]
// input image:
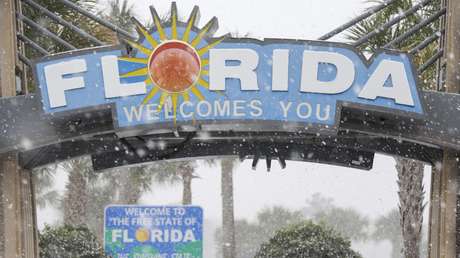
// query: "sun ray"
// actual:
[[151, 94], [186, 96], [209, 27], [135, 73], [174, 97], [197, 93], [204, 62], [173, 20], [163, 97], [134, 60], [148, 81], [145, 33], [157, 21], [138, 46], [203, 83], [204, 72], [191, 22], [205, 49]]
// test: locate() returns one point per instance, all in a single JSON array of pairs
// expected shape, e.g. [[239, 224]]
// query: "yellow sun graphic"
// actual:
[[176, 66], [142, 235]]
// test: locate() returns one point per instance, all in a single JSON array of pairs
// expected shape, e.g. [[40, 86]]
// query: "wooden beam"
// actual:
[[448, 218], [18, 235], [18, 230], [443, 212], [8, 49]]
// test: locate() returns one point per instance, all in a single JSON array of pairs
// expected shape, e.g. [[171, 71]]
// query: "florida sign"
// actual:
[[179, 74]]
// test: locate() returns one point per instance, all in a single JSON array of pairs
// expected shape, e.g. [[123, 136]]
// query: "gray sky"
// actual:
[[300, 19], [373, 192]]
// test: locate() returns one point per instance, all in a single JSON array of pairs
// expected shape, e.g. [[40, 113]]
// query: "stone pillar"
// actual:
[[443, 212], [18, 238]]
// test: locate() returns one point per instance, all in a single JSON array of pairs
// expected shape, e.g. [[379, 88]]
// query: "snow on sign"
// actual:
[[178, 73], [153, 231]]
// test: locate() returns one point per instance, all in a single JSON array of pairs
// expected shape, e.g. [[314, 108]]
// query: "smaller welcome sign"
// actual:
[[153, 231]]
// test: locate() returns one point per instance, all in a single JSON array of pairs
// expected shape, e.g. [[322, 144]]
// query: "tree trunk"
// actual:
[[228, 219], [129, 192], [187, 177], [129, 195], [411, 193]]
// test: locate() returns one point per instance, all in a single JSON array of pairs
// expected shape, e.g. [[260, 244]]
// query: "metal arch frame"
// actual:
[[64, 22], [110, 151], [341, 29]]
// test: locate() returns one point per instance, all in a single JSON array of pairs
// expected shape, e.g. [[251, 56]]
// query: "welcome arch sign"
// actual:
[[177, 75]]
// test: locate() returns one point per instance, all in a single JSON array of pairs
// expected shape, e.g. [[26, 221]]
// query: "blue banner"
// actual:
[[180, 74]]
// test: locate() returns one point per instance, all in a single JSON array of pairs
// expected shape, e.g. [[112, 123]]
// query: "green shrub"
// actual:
[[307, 240], [69, 242]]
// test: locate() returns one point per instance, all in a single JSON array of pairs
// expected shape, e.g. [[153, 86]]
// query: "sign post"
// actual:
[[153, 232]]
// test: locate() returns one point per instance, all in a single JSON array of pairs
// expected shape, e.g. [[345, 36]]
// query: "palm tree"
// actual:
[[227, 235], [76, 196], [120, 14], [346, 221], [140, 180], [249, 236], [410, 172], [411, 193], [124, 185], [173, 172], [228, 216], [387, 227], [43, 180], [385, 36], [186, 171], [127, 184]]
